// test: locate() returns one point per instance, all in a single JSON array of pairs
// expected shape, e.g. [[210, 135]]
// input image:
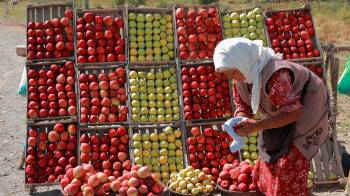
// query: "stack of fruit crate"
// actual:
[[51, 138]]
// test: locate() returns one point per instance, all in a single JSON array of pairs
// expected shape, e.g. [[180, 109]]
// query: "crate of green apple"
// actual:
[[208, 147], [154, 95], [247, 23], [150, 34], [100, 36], [198, 31], [51, 90], [161, 148], [292, 33], [206, 93], [249, 151], [102, 94], [50, 32], [51, 149], [106, 149]]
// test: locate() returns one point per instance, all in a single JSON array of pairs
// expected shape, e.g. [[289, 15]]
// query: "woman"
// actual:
[[294, 106]]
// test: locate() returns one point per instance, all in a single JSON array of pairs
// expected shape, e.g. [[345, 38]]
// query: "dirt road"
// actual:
[[12, 116]]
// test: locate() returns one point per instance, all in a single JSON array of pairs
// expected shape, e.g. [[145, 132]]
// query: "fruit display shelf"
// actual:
[[51, 149], [197, 31], [247, 22], [161, 147], [102, 95], [106, 148], [51, 93], [101, 37], [208, 147], [150, 34], [292, 32], [206, 95], [50, 32], [154, 94]]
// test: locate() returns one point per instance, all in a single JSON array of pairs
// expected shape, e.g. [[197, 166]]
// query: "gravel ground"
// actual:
[[12, 118]]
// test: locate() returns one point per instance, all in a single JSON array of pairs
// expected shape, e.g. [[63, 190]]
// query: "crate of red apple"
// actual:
[[136, 180], [50, 152], [198, 30], [206, 93], [292, 33], [208, 148], [50, 32], [247, 23], [100, 36], [51, 91], [102, 95], [106, 149]]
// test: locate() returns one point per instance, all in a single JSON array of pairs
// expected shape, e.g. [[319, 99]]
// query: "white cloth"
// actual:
[[249, 57]]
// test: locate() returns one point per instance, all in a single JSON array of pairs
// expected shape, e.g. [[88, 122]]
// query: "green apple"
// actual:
[[175, 94], [146, 145], [132, 16], [154, 137], [132, 31], [173, 86], [311, 175], [167, 88], [149, 17], [227, 32], [154, 153], [137, 152], [235, 24], [235, 31], [251, 29], [149, 32], [243, 31], [168, 117], [149, 44], [166, 83], [157, 51], [250, 162], [135, 103], [144, 118], [234, 16], [245, 147], [176, 117], [171, 160], [133, 74], [163, 144], [243, 16], [162, 21], [144, 103], [166, 74], [160, 97], [133, 51], [161, 111], [259, 31], [146, 160], [133, 45], [252, 22], [176, 109], [151, 89], [142, 89], [226, 18], [246, 155], [135, 110], [133, 82], [152, 118], [252, 140], [162, 28], [153, 111], [252, 148], [257, 10], [140, 31], [163, 42], [140, 17], [137, 144], [227, 24], [168, 130], [245, 139], [142, 82], [154, 161], [258, 18], [148, 25], [163, 160], [178, 142], [138, 160], [178, 159], [145, 137], [262, 37], [163, 151], [141, 51], [155, 37], [332, 177], [168, 97], [150, 76], [136, 137], [161, 136], [254, 155], [252, 36], [151, 104], [171, 151], [141, 58], [157, 57], [251, 15], [244, 23], [159, 104], [170, 32], [146, 153], [140, 38], [172, 78], [170, 46], [159, 90], [133, 38], [168, 110], [163, 35], [167, 104], [152, 97], [172, 146], [310, 183], [150, 83], [135, 117], [149, 52], [175, 102], [148, 38], [144, 110]]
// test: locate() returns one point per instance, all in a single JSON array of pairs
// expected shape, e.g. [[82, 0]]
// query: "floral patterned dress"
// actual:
[[288, 176]]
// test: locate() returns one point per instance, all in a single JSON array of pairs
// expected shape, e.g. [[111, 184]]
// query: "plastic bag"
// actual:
[[22, 88], [238, 141], [344, 81]]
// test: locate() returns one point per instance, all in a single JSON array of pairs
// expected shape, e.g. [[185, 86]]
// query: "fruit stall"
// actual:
[[129, 97]]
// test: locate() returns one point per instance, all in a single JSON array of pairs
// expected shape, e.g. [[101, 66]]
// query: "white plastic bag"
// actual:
[[22, 88], [238, 141]]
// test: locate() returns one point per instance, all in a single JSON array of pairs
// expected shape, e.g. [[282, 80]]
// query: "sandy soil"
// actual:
[[12, 118]]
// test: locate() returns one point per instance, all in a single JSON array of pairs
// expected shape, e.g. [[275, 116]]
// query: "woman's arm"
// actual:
[[242, 109]]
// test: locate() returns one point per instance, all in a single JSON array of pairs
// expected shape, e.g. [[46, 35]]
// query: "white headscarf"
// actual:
[[249, 57]]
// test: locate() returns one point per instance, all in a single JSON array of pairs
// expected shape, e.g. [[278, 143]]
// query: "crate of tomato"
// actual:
[[102, 95], [150, 34], [50, 32], [206, 94], [51, 91], [51, 149], [198, 30], [292, 32], [101, 36]]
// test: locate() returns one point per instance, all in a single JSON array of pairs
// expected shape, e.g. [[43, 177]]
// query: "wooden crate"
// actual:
[[41, 13], [97, 69], [162, 11], [44, 127], [114, 12], [195, 65], [194, 7], [46, 66], [316, 44], [239, 11], [217, 125], [156, 128], [153, 67]]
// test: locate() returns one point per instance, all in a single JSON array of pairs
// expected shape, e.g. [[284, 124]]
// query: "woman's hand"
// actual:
[[246, 127]]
